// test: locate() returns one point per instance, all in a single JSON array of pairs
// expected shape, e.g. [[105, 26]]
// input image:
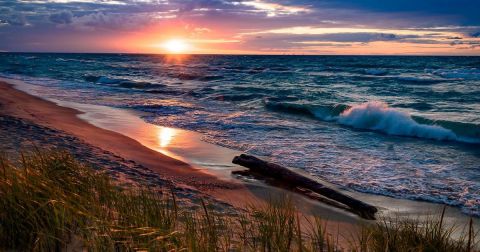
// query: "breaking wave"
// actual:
[[378, 116]]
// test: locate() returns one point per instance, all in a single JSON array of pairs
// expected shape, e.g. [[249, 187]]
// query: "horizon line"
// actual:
[[243, 54]]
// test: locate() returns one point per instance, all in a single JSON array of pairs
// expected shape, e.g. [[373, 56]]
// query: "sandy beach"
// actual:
[[101, 139], [259, 125], [31, 121], [65, 126]]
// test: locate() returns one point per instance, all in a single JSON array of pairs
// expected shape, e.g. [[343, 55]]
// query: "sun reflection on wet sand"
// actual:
[[165, 136], [181, 144]]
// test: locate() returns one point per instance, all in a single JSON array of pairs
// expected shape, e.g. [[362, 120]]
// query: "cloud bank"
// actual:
[[256, 26]]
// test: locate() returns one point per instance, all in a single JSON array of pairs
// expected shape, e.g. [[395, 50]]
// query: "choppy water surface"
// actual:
[[407, 127]]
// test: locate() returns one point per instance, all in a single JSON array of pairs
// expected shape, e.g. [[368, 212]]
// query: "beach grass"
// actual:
[[406, 234], [51, 202]]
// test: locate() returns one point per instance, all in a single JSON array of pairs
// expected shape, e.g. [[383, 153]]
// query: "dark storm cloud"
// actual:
[[466, 12]]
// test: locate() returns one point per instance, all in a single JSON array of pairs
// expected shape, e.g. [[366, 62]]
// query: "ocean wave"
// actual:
[[420, 79], [469, 131], [464, 74], [415, 105], [193, 76], [250, 89], [235, 67], [101, 79], [237, 97], [124, 83], [378, 116], [165, 92], [210, 78], [291, 108], [60, 59], [375, 71], [280, 69], [163, 110], [139, 85], [326, 113]]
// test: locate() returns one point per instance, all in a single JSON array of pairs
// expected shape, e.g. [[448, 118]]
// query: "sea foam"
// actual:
[[379, 116], [427, 79]]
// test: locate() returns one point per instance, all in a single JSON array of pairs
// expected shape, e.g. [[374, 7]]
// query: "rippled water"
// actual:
[[406, 127]]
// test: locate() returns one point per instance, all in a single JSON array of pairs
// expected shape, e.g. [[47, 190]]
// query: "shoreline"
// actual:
[[187, 172], [47, 114]]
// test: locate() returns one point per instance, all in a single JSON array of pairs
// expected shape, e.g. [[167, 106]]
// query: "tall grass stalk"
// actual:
[[51, 202], [401, 234]]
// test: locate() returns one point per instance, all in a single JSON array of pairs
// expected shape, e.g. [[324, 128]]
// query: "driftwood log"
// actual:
[[301, 184]]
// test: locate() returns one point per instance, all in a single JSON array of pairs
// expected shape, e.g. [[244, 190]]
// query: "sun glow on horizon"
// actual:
[[176, 46]]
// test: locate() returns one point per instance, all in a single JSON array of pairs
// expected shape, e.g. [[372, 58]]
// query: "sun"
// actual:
[[176, 46]]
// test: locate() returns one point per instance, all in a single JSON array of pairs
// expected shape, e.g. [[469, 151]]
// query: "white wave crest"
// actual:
[[465, 74], [378, 116], [420, 79]]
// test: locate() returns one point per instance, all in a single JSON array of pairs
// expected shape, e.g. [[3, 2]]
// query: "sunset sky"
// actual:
[[432, 27]]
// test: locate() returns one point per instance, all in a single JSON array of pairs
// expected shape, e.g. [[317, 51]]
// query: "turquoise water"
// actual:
[[405, 127]]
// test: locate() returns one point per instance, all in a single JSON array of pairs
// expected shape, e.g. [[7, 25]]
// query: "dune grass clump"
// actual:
[[400, 234], [277, 226], [51, 202]]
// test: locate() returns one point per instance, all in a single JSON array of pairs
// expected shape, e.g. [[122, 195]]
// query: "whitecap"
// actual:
[[379, 116]]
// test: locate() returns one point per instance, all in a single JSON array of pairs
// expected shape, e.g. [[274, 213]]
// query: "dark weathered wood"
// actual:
[[294, 180]]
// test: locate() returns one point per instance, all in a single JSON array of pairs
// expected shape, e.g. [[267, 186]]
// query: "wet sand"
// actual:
[[141, 151], [180, 157], [47, 114]]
